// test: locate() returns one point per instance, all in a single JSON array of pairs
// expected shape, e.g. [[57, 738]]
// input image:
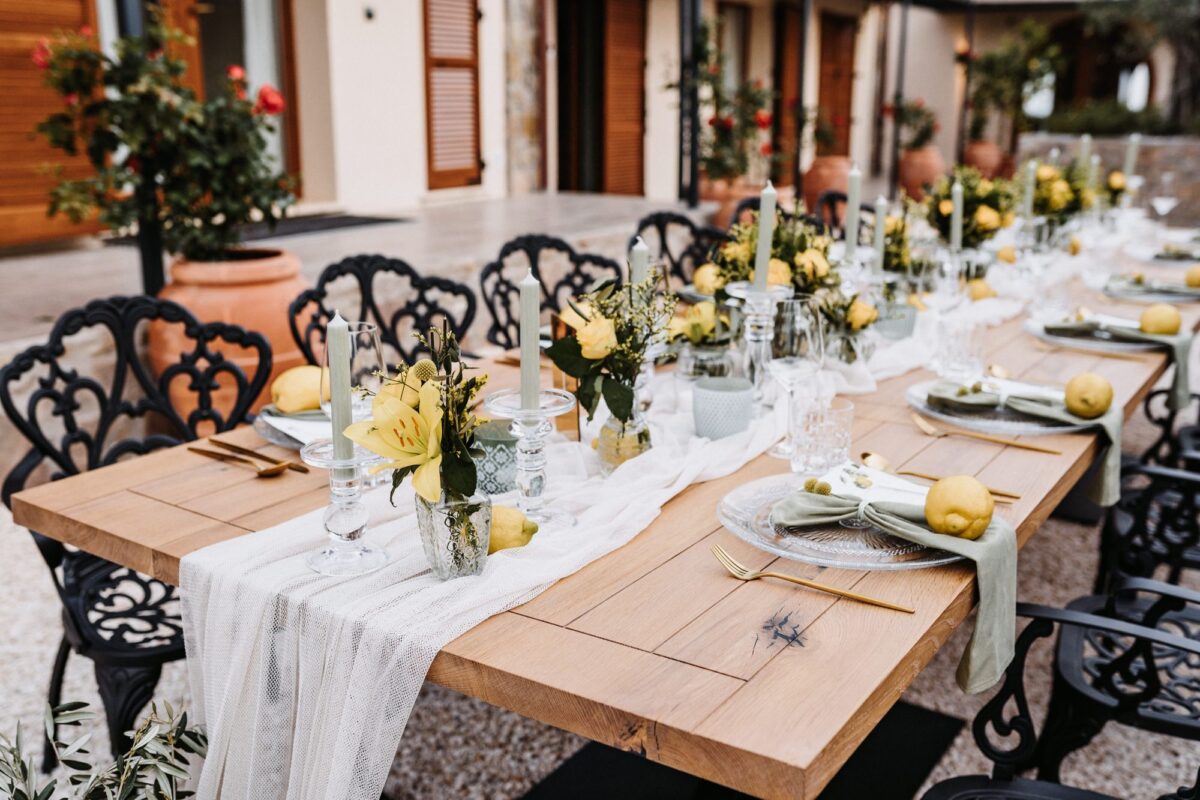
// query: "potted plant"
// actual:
[[1007, 77], [827, 171], [181, 173], [921, 163]]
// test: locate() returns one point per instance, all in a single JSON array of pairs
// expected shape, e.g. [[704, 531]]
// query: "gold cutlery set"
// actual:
[[244, 455]]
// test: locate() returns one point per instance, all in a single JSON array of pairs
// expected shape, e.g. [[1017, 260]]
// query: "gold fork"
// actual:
[[743, 574], [930, 430]]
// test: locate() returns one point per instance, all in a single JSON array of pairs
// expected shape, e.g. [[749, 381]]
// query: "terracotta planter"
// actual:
[[919, 168], [727, 194], [253, 292], [826, 172], [987, 157]]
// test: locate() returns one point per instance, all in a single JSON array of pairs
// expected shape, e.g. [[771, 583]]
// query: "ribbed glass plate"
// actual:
[[1000, 421], [746, 512]]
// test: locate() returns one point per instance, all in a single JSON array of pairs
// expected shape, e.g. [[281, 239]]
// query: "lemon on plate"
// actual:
[[510, 528], [1162, 319], [979, 289], [1089, 395], [959, 506], [297, 389], [1193, 277]]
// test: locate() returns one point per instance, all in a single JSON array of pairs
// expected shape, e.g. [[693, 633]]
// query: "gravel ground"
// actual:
[[457, 747]]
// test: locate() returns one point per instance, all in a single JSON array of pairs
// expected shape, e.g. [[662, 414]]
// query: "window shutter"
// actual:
[[624, 95], [452, 93]]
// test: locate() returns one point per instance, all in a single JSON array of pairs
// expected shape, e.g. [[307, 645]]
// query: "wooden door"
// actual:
[[452, 93], [24, 185], [624, 95], [787, 79], [836, 86]]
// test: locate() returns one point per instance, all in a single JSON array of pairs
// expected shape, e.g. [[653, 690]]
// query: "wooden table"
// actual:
[[654, 648]]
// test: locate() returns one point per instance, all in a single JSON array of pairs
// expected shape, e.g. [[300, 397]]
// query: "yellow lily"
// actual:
[[407, 437]]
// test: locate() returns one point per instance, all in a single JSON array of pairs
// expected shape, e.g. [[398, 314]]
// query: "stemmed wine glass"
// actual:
[[1164, 199], [798, 353], [366, 364]]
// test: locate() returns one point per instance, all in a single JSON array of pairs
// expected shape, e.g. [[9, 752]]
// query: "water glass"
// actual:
[[366, 365], [822, 438], [798, 353], [958, 352]]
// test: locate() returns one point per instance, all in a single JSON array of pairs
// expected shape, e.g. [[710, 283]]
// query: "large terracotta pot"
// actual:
[[826, 172], [252, 291], [727, 194], [987, 157], [919, 168]]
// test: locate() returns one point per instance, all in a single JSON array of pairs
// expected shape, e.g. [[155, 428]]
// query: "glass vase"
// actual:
[[704, 361], [620, 441], [850, 347], [455, 534]]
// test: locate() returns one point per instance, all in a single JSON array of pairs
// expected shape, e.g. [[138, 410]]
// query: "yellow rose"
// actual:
[[572, 318], [987, 218], [889, 225], [1007, 254], [1009, 218], [813, 264], [1087, 198], [696, 324], [778, 273], [707, 279], [597, 339], [821, 243], [861, 314], [737, 251], [946, 207], [1060, 194], [1116, 181], [1047, 173], [985, 186]]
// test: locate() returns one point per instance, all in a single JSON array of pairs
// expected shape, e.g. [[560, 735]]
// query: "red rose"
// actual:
[[41, 54], [762, 119], [71, 99], [758, 84], [712, 122], [134, 164], [766, 149], [727, 123], [714, 69], [86, 31], [269, 101], [236, 72]]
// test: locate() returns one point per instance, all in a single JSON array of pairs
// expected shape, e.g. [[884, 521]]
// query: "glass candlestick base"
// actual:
[[531, 427], [346, 516]]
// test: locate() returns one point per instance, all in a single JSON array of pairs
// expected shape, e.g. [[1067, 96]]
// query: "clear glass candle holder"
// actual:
[[346, 516]]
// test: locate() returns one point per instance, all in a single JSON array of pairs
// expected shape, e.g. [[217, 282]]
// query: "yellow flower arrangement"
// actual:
[[407, 437], [799, 257], [698, 325], [707, 279]]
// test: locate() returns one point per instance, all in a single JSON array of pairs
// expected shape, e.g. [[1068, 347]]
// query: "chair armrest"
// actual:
[[1116, 627], [1166, 473], [1130, 584]]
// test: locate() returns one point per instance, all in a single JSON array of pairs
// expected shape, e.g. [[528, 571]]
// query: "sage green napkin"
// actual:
[[1106, 488], [1177, 346], [1184, 291], [994, 553]]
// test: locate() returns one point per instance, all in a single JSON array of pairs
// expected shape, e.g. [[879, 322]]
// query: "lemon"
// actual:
[[297, 389], [959, 506], [1089, 395], [1162, 319], [1075, 247], [1193, 276], [979, 289], [510, 528], [1007, 254]]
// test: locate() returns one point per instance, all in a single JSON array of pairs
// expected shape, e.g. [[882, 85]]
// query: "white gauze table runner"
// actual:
[[306, 682]]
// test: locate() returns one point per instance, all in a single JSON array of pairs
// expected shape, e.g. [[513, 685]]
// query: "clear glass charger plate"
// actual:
[[746, 512], [1000, 421], [1095, 343]]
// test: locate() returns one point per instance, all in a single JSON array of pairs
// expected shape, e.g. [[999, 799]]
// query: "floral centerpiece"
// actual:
[[918, 122], [611, 329], [846, 318], [702, 337], [799, 258], [987, 206], [1060, 194], [423, 424], [897, 254]]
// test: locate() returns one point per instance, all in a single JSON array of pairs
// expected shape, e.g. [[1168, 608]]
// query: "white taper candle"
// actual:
[[337, 347], [531, 355], [956, 216], [853, 200], [1031, 168], [1085, 149], [639, 261]]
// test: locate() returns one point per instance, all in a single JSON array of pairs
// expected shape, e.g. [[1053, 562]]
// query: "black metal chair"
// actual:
[[126, 623], [678, 240], [423, 302], [499, 280], [829, 205], [1017, 744], [747, 205]]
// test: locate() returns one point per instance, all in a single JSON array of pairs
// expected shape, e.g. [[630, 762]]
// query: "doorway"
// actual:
[[601, 95], [836, 85]]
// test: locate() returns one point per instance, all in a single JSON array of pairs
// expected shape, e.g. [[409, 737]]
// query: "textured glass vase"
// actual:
[[620, 441], [455, 534]]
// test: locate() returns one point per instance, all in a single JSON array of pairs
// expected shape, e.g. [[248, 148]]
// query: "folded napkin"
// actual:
[[1173, 252], [994, 553], [1178, 346], [1037, 401], [1158, 287]]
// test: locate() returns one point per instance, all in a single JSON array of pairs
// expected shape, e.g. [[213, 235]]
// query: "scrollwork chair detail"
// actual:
[[1171, 447], [680, 242], [829, 203], [499, 281], [426, 301], [741, 213], [126, 623], [1005, 730]]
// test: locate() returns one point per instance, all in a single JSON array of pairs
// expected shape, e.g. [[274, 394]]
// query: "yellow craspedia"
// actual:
[[861, 314], [946, 207], [979, 289], [1007, 254], [423, 370], [707, 279], [1161, 319], [1116, 181], [1193, 277], [959, 506], [297, 389], [987, 218], [1089, 395]]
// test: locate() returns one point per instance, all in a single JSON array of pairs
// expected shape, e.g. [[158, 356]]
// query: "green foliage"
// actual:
[[918, 123], [160, 155], [994, 196], [1003, 79], [154, 768], [1109, 118]]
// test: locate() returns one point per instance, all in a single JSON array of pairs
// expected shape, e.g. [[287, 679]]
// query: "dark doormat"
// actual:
[[891, 764], [291, 226]]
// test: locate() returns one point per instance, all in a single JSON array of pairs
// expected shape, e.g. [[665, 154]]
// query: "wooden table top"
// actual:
[[654, 648]]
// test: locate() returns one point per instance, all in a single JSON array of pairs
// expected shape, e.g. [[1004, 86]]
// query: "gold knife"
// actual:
[[246, 451]]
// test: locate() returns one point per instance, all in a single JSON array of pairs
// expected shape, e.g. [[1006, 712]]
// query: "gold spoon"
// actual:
[[880, 462], [259, 472], [997, 371]]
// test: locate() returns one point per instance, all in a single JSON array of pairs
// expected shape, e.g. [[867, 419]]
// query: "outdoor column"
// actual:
[[898, 97]]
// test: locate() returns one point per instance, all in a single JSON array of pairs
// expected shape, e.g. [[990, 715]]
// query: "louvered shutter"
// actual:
[[452, 92], [624, 95]]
